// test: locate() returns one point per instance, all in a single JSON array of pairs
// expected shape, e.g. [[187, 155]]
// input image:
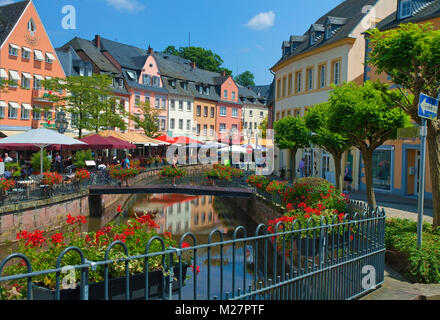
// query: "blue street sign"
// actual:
[[428, 107]]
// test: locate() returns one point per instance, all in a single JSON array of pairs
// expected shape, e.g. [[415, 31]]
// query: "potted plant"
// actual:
[[36, 162], [43, 250], [81, 157], [5, 185], [310, 240], [50, 179]]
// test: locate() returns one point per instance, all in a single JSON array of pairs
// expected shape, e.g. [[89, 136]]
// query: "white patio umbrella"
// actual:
[[235, 148], [41, 138]]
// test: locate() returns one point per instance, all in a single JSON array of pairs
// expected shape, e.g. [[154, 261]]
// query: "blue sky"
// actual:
[[247, 34]]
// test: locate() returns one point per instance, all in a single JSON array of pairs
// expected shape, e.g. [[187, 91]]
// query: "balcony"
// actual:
[[41, 95]]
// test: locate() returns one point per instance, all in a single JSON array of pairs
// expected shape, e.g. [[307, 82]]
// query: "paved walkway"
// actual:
[[396, 287], [397, 206]]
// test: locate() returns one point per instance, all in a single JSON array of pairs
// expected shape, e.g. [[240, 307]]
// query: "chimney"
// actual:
[[223, 73], [150, 50], [98, 41], [193, 65]]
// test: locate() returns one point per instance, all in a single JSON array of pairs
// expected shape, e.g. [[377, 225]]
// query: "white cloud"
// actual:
[[130, 6], [262, 21], [5, 2]]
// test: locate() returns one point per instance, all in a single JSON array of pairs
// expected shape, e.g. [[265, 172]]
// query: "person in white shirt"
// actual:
[[8, 158]]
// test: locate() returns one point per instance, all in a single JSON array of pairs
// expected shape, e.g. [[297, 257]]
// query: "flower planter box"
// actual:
[[158, 286]]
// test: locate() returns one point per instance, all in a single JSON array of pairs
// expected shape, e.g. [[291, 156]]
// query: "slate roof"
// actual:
[[422, 10], [93, 53], [348, 12], [9, 15], [248, 96], [67, 58]]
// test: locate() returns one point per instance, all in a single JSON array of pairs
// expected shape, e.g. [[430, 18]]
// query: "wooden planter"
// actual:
[[158, 286]]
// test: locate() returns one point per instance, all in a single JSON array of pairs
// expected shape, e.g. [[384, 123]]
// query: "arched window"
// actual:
[[31, 26]]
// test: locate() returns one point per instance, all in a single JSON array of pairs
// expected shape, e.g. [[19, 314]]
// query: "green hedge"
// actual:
[[422, 265]]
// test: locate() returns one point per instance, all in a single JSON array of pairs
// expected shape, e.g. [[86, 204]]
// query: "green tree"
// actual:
[[410, 55], [147, 120], [263, 127], [204, 59], [317, 120], [245, 79], [291, 133], [87, 99], [368, 118]]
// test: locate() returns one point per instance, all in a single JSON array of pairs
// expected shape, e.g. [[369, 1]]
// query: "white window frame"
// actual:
[[223, 111], [13, 50], [234, 112], [337, 72], [403, 4]]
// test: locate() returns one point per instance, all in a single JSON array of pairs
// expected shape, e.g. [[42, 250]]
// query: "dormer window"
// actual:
[[172, 83], [405, 8], [312, 38], [328, 32], [131, 75], [184, 85]]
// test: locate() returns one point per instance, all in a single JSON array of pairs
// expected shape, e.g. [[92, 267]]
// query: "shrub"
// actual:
[[52, 178], [222, 172], [313, 191], [259, 182], [276, 187], [423, 265], [81, 157], [35, 161], [170, 172]]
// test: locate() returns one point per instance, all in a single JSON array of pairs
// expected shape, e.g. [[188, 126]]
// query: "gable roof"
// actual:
[[348, 15], [422, 10], [127, 56], [103, 64], [9, 16]]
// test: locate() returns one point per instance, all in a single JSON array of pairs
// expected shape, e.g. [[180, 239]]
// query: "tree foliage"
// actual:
[[245, 79], [147, 120], [291, 133], [367, 118], [410, 55], [203, 58], [317, 120], [89, 100]]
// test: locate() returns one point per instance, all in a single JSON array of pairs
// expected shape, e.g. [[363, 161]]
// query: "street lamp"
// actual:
[[61, 123]]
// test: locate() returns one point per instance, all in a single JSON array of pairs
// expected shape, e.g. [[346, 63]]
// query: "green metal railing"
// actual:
[[332, 260]]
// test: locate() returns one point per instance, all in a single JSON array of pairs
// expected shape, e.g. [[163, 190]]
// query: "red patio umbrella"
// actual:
[[186, 140], [97, 142], [165, 138], [120, 144]]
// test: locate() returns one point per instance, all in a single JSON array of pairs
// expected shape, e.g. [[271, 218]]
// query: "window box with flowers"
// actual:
[[43, 250], [170, 172], [220, 174]]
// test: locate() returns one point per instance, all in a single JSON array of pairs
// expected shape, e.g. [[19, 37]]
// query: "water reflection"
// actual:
[[179, 213], [200, 215]]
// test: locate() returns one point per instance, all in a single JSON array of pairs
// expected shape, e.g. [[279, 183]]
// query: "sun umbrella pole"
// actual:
[[41, 161]]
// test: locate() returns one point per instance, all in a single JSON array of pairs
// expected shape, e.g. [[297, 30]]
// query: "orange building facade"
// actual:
[[396, 164], [27, 57]]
